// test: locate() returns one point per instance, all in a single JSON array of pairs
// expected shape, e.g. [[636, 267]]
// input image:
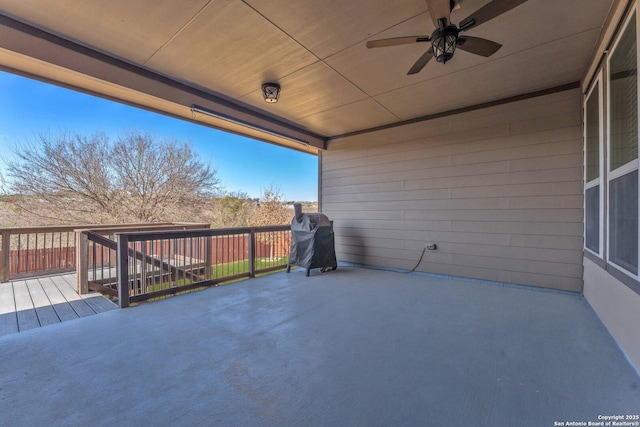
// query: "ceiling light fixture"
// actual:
[[197, 109], [271, 92], [444, 41]]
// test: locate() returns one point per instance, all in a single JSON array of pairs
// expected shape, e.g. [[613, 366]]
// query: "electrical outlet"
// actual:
[[430, 246]]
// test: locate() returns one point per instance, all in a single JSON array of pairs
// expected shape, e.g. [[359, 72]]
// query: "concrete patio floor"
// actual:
[[348, 347]]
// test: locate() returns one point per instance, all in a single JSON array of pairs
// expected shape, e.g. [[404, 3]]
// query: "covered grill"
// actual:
[[312, 243]]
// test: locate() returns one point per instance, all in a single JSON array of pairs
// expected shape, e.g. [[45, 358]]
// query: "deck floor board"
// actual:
[[84, 305], [44, 310], [26, 312], [8, 318], [60, 304], [36, 302]]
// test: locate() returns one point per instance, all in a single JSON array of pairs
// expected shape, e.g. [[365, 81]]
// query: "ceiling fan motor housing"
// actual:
[[443, 42]]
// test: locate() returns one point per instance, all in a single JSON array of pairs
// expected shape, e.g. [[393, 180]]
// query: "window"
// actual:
[[623, 151], [593, 147], [623, 224]]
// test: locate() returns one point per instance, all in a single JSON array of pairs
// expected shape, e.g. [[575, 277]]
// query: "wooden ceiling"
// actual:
[[331, 83]]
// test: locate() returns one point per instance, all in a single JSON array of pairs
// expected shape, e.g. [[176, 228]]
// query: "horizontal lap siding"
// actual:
[[499, 190]]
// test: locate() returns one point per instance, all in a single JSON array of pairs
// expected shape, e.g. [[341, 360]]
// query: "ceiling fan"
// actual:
[[446, 37]]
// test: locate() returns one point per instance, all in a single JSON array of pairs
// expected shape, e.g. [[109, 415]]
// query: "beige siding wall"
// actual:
[[499, 190]]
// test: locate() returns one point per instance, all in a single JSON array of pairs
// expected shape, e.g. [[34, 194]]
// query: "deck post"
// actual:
[[122, 270], [82, 262], [208, 259], [252, 252], [6, 252]]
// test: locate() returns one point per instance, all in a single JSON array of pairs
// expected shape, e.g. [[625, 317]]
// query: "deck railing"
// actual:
[[137, 262], [33, 251], [152, 264], [37, 251], [96, 258]]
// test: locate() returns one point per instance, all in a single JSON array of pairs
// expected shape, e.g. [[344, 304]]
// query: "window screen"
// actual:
[[592, 219], [592, 135], [624, 99], [623, 221]]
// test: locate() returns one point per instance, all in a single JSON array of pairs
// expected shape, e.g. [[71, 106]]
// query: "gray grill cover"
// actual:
[[312, 233]]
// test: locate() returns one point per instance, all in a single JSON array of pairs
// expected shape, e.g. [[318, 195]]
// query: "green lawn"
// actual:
[[237, 267], [219, 271]]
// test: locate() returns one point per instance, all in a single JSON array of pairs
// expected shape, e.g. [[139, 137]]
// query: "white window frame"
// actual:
[[632, 165], [598, 82]]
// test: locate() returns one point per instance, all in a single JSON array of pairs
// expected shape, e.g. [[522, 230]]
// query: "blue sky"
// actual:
[[29, 107]]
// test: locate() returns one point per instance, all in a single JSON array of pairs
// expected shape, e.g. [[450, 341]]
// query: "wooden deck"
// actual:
[[36, 302]]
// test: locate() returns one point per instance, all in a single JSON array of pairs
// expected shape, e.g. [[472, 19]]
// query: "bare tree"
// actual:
[[80, 179], [271, 210]]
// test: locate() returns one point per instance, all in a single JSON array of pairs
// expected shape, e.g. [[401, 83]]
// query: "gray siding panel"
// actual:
[[499, 190]]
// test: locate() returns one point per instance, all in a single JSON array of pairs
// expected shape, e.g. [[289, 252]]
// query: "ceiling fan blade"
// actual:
[[488, 12], [439, 9], [482, 47], [397, 41], [421, 62]]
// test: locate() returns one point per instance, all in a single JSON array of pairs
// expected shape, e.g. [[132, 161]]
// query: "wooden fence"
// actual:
[[43, 259]]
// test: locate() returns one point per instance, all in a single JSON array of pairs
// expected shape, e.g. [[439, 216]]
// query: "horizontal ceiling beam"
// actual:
[[33, 52], [521, 97]]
